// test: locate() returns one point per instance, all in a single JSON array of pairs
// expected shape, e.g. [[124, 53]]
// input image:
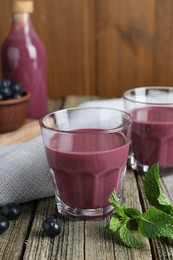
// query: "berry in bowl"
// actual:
[[13, 105]]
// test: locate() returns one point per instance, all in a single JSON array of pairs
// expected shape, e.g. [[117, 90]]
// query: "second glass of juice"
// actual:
[[87, 151], [152, 130]]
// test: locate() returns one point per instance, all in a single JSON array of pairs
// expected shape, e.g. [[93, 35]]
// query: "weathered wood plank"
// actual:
[[168, 187], [68, 37], [13, 240], [29, 130], [102, 47], [101, 245], [161, 247], [70, 243], [39, 246], [124, 45], [130, 196], [162, 36], [83, 239]]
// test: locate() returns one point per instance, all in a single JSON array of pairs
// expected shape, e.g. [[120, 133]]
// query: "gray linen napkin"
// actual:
[[24, 172]]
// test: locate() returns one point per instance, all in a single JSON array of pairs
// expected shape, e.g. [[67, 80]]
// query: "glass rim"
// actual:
[[148, 88], [108, 130]]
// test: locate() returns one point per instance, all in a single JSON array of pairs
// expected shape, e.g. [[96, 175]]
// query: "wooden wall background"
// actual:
[[102, 47]]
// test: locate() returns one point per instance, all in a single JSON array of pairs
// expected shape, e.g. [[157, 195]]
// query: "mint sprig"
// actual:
[[157, 221], [154, 192], [129, 238], [125, 216]]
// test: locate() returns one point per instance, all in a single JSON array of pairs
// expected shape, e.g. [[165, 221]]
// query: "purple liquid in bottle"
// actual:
[[24, 62]]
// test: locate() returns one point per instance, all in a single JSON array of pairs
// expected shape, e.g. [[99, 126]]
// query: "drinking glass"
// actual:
[[152, 130], [87, 151]]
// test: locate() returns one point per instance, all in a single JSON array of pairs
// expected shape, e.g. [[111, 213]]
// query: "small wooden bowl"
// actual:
[[13, 113]]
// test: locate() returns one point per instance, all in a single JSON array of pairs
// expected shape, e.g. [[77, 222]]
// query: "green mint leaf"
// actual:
[[124, 205], [129, 238], [152, 185], [132, 212], [113, 225], [154, 191], [114, 201], [155, 223]]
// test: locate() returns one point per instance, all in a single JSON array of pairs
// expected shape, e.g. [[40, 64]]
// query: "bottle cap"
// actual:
[[23, 6]]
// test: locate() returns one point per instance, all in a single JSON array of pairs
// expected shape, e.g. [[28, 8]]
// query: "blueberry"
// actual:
[[6, 91], [17, 88], [17, 95], [4, 224], [9, 90], [51, 227], [5, 83], [11, 211], [2, 97]]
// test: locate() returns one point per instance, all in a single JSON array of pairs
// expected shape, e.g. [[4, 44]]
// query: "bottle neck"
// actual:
[[21, 19]]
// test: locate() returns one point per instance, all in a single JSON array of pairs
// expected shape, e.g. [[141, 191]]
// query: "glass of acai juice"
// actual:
[[87, 151], [152, 130]]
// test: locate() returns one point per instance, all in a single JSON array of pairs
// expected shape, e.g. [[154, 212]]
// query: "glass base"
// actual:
[[142, 168], [83, 214]]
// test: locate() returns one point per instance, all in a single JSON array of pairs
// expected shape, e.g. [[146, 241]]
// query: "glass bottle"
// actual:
[[24, 59]]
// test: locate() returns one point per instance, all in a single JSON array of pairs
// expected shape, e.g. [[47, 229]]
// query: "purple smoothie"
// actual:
[[24, 62], [87, 167], [152, 135]]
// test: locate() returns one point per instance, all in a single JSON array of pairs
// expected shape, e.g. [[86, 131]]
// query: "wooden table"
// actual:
[[79, 240]]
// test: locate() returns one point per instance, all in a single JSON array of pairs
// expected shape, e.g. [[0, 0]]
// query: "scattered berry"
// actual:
[[4, 224], [51, 227], [11, 211]]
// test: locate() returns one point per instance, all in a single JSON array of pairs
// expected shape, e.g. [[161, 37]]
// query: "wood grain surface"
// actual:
[[29, 130], [102, 47]]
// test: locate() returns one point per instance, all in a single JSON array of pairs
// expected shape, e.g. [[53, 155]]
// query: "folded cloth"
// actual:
[[114, 103], [24, 172]]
